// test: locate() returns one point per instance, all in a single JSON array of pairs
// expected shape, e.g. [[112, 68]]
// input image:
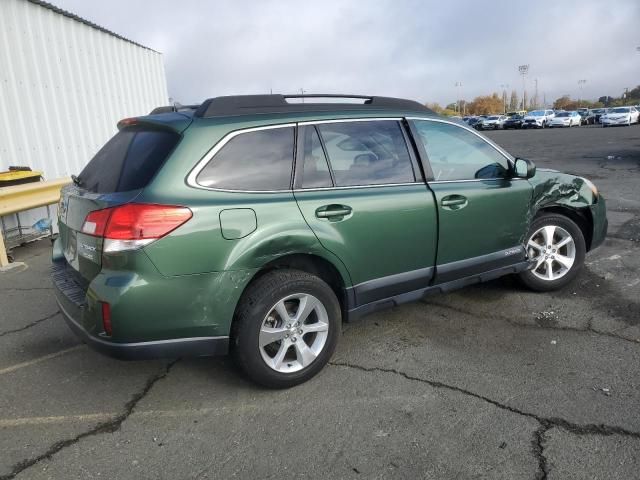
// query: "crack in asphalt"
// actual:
[[577, 429], [109, 426], [538, 452], [546, 423], [32, 324], [588, 329]]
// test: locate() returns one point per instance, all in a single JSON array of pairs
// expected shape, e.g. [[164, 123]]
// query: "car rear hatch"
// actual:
[[115, 176]]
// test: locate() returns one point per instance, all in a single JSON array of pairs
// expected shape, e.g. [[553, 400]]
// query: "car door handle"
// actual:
[[454, 202], [333, 211]]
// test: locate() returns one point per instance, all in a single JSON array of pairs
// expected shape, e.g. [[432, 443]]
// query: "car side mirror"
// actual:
[[524, 168]]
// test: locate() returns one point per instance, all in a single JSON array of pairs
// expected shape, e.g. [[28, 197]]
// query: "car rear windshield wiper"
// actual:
[[76, 180]]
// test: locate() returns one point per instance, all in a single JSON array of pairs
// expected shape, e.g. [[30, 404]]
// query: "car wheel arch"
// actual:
[[581, 216], [314, 264]]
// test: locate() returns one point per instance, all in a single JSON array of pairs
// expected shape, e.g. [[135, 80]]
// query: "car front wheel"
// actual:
[[557, 249], [286, 328]]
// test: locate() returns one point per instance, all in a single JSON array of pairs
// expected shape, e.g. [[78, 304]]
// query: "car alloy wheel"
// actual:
[[293, 333], [554, 250]]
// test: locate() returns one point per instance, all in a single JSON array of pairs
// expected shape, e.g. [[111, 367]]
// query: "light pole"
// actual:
[[458, 85], [504, 88], [523, 69], [581, 84]]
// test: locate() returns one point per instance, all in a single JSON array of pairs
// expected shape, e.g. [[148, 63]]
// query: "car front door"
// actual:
[[483, 211], [359, 188]]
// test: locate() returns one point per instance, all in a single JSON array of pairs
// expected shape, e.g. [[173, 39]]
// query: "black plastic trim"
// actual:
[[419, 294], [476, 265], [423, 158], [174, 348], [275, 103], [391, 285]]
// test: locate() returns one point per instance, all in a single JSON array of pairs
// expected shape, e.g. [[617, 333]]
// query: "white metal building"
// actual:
[[64, 84]]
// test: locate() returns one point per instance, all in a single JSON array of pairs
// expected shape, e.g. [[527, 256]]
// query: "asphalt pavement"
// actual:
[[491, 381]]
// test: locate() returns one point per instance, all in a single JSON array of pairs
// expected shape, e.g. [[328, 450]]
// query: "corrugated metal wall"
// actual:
[[64, 85]]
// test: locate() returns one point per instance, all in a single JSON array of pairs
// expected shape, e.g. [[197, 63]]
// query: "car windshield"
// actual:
[[598, 110], [493, 118], [536, 113], [516, 117], [620, 110], [562, 114]]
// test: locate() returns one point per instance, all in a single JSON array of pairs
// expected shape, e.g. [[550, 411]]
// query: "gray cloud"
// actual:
[[408, 48]]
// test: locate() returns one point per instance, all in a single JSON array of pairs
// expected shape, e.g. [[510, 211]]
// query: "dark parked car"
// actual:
[[514, 121], [256, 226], [597, 113], [472, 122]]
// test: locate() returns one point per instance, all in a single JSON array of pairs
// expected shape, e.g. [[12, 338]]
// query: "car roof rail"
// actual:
[[276, 103]]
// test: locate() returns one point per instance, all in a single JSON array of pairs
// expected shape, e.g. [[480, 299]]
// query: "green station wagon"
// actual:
[[257, 224]]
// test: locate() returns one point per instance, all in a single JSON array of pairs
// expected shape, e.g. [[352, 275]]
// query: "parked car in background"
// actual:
[[494, 122], [473, 121], [597, 113], [175, 240], [514, 121], [478, 124], [620, 116], [538, 119], [566, 119], [516, 112], [584, 115]]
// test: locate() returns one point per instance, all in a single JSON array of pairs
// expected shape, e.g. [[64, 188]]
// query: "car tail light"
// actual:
[[134, 225], [106, 318]]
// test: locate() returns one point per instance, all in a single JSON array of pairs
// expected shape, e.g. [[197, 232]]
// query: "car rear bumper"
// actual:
[[174, 348], [151, 315]]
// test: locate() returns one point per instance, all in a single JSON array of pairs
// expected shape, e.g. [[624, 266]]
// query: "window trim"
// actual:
[[298, 174], [407, 130], [192, 176], [426, 160], [398, 120]]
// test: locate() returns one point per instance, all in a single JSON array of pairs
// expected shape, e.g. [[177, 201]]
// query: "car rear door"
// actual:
[[483, 212], [359, 188]]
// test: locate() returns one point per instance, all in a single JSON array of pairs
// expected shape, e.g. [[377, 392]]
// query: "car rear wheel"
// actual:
[[557, 246], [286, 328]]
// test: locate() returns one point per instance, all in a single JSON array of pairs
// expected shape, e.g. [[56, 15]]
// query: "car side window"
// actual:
[[252, 161], [313, 170], [457, 154], [367, 152]]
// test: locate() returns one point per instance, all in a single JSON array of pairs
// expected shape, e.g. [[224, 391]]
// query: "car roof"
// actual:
[[263, 109], [266, 104]]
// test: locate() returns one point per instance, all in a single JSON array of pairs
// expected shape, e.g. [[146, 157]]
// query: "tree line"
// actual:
[[496, 103]]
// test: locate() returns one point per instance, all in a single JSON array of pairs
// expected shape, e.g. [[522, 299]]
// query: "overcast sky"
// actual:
[[407, 48]]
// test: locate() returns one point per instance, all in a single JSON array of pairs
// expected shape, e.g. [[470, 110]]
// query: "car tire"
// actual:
[[260, 318], [564, 261]]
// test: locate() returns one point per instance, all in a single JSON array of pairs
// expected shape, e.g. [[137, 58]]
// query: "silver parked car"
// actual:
[[494, 122]]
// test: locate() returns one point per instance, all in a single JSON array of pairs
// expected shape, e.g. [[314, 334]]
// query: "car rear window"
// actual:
[[128, 161], [253, 161]]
